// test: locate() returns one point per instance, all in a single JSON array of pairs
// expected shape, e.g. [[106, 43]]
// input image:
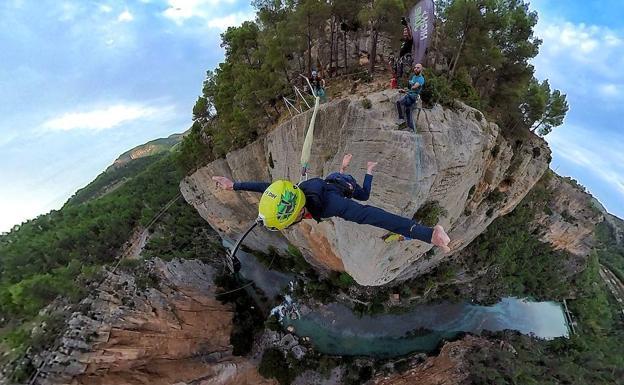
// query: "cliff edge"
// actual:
[[457, 164]]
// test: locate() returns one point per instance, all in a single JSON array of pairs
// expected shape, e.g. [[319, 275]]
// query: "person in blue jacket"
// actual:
[[333, 197], [415, 85]]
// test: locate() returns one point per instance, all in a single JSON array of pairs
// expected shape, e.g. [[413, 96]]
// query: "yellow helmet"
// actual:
[[281, 205]]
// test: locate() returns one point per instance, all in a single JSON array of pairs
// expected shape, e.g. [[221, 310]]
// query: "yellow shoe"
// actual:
[[393, 237]]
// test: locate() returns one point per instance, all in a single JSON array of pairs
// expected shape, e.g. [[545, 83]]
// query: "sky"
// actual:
[[582, 54], [83, 81]]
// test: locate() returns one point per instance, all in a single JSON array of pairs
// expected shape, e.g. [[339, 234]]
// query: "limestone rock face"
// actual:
[[570, 223], [456, 158], [174, 333], [449, 367]]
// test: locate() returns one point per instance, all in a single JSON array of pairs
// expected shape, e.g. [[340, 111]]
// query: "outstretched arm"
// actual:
[[227, 184], [363, 193]]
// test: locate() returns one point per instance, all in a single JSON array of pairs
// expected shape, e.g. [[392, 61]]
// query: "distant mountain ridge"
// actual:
[[152, 147], [125, 167], [616, 223]]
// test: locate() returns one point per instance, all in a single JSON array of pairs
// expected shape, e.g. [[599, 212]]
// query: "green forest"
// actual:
[[481, 52], [529, 267]]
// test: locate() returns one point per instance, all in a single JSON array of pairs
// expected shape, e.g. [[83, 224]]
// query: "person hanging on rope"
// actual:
[[284, 204], [407, 40], [405, 51]]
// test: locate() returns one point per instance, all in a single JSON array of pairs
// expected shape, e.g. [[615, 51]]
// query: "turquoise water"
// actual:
[[334, 329]]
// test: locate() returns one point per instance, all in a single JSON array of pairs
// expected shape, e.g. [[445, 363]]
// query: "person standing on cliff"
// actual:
[[318, 85], [284, 204], [415, 85]]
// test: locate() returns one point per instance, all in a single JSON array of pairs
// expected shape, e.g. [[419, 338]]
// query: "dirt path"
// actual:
[[137, 242], [615, 285]]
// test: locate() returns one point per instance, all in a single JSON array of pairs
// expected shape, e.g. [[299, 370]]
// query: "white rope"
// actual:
[[307, 143], [309, 84], [301, 96]]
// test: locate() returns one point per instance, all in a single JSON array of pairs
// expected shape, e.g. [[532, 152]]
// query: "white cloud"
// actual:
[[609, 89], [599, 156], [7, 137], [222, 23], [68, 11], [181, 10], [102, 118], [105, 8], [125, 16], [579, 48]]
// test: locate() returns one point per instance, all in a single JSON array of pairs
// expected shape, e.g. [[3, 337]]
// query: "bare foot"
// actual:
[[370, 166], [345, 162], [223, 182], [440, 238]]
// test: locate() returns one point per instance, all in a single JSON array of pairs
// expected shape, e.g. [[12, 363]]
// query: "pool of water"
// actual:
[[335, 329]]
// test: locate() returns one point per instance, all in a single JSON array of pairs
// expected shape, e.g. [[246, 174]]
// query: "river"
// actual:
[[335, 329]]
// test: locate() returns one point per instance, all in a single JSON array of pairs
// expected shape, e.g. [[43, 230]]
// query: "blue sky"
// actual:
[[582, 54], [83, 81]]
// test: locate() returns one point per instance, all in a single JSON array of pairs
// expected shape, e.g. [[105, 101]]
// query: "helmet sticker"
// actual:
[[286, 206]]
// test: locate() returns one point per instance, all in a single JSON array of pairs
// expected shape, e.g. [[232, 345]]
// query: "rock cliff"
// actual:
[[569, 220], [456, 158], [449, 367], [175, 332]]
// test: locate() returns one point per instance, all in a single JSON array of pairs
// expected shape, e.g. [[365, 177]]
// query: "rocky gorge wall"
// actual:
[[569, 221], [175, 332], [449, 367], [456, 158]]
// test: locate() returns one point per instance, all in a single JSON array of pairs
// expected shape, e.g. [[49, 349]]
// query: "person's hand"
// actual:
[[370, 166], [440, 238], [224, 182]]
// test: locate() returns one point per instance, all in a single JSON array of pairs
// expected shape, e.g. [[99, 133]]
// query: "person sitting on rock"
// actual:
[[284, 204], [407, 102]]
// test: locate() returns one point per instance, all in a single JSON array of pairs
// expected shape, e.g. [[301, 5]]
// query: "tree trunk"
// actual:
[[277, 111], [461, 46], [262, 106], [373, 51], [301, 65], [248, 58], [286, 74], [331, 45], [309, 46], [456, 59], [346, 62]]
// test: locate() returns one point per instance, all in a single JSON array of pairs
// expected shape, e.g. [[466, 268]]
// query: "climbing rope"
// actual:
[[307, 143]]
